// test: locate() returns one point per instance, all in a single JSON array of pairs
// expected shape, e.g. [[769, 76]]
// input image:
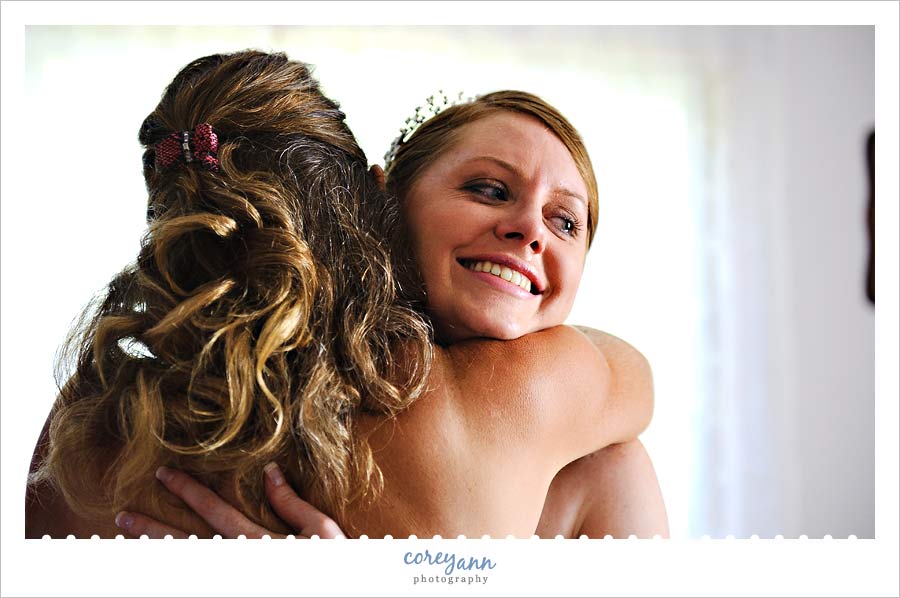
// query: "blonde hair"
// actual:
[[436, 135], [262, 316]]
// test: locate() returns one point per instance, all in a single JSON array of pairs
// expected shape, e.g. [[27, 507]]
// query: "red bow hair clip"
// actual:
[[200, 146]]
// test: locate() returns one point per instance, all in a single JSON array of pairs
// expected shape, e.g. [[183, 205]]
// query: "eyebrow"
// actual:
[[511, 168]]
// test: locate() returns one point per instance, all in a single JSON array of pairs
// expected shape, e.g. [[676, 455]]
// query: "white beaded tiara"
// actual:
[[434, 105]]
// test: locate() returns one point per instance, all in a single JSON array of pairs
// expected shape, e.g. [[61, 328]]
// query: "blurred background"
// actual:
[[731, 248]]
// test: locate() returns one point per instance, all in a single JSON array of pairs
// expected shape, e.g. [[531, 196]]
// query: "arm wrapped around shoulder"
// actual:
[[595, 390], [604, 394], [631, 383], [563, 392]]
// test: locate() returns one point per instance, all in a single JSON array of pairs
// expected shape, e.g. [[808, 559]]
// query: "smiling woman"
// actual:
[[504, 203]]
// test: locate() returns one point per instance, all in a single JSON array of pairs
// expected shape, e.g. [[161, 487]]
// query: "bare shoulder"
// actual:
[[558, 356], [46, 510], [545, 371], [47, 513]]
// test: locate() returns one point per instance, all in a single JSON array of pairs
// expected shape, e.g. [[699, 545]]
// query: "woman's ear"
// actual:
[[378, 172]]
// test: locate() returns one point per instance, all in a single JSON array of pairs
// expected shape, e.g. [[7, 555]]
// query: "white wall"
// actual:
[[827, 82], [792, 377]]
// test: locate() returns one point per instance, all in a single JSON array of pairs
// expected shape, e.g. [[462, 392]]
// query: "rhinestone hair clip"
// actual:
[[434, 105]]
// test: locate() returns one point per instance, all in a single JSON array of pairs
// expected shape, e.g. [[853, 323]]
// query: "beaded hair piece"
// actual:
[[200, 145], [434, 105]]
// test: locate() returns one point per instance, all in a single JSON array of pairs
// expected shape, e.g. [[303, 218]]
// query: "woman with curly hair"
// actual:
[[272, 316]]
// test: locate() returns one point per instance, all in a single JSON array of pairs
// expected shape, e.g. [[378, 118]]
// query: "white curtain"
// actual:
[[731, 252], [784, 429]]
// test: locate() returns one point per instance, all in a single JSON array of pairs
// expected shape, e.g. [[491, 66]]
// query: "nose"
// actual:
[[524, 227]]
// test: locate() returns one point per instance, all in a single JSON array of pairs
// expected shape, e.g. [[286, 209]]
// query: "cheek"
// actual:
[[436, 234], [416, 232], [427, 250], [575, 274], [427, 227], [570, 270], [431, 255]]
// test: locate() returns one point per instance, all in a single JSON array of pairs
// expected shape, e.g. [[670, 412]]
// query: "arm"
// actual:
[[621, 491], [611, 492], [563, 393], [624, 497], [632, 381]]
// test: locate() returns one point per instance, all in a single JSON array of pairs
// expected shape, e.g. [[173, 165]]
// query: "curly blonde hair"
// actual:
[[263, 314]]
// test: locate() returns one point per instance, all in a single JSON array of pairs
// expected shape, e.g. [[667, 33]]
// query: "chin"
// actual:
[[499, 328], [504, 335], [447, 335], [501, 332], [510, 333], [453, 327]]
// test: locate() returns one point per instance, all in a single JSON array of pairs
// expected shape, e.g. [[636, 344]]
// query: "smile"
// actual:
[[500, 271]]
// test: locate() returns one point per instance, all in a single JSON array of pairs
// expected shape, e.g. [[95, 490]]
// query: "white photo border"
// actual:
[[522, 567]]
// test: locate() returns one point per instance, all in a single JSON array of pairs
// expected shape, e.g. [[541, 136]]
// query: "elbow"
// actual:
[[649, 396], [642, 381]]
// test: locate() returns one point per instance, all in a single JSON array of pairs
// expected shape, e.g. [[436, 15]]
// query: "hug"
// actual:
[[308, 344]]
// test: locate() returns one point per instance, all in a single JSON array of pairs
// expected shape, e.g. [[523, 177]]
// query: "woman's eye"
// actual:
[[566, 225], [490, 191]]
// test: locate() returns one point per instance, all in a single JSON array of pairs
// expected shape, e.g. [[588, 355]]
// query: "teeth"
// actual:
[[503, 272]]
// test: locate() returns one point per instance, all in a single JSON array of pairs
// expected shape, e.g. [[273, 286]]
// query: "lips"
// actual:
[[505, 268]]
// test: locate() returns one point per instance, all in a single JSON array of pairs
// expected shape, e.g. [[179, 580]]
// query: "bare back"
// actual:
[[477, 453]]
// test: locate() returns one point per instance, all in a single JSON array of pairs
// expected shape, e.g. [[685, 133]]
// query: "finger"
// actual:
[[137, 525], [220, 515], [298, 513]]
